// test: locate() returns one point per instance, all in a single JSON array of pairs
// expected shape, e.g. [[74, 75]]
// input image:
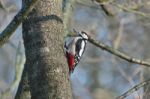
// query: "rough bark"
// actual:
[[23, 89], [46, 65]]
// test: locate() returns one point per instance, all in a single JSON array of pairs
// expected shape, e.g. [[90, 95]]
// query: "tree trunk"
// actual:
[[46, 64], [23, 89]]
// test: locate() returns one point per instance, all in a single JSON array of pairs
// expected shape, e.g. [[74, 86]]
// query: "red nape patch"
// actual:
[[70, 59]]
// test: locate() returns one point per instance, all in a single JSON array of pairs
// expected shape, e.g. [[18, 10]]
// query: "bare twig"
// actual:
[[117, 52], [103, 5], [135, 88], [131, 10], [138, 6], [9, 30]]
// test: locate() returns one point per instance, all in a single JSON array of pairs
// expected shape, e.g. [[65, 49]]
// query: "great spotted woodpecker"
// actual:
[[74, 49]]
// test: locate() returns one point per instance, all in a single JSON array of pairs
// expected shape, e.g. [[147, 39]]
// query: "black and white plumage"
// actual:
[[74, 48], [80, 47]]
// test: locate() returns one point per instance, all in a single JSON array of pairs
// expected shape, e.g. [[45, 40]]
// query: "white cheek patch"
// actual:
[[85, 36], [82, 48]]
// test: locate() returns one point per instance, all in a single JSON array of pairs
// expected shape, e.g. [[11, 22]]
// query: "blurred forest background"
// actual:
[[99, 75]]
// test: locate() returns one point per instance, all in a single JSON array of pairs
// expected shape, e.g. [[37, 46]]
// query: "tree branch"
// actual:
[[102, 4], [135, 88], [9, 30], [117, 52], [132, 10]]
